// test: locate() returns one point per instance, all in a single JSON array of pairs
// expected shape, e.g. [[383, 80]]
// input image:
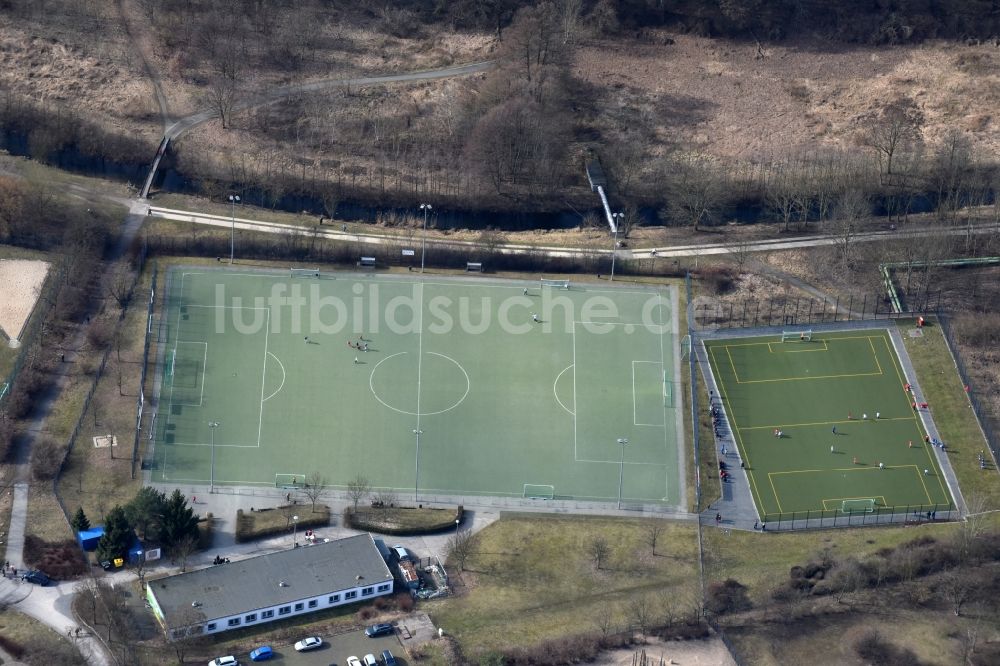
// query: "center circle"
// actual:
[[443, 383]]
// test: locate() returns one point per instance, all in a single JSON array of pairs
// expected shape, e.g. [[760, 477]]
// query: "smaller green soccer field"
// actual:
[[850, 438]]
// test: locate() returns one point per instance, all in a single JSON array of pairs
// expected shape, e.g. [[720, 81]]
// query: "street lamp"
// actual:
[[416, 463], [295, 526], [621, 470], [233, 200], [211, 483], [614, 244], [423, 242]]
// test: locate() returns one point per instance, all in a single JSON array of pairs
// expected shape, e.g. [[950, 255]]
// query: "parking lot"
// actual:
[[336, 650]]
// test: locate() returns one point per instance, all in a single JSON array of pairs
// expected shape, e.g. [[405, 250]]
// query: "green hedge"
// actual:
[[275, 522], [403, 521]]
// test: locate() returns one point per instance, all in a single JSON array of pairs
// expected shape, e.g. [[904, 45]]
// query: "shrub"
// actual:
[[875, 650], [46, 458], [404, 602], [729, 596], [61, 560], [260, 524]]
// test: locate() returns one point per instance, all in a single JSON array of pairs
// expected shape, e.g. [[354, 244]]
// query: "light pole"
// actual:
[[416, 463], [621, 470], [614, 243], [233, 200], [211, 483], [423, 241], [295, 526]]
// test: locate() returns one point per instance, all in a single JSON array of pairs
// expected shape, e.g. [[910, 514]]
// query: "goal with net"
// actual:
[[305, 272], [289, 481], [536, 491], [685, 347], [559, 284], [857, 506], [800, 336]]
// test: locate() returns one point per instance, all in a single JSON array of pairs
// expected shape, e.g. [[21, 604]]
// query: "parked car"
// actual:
[[310, 643], [36, 577], [224, 661], [382, 629], [401, 553], [388, 659], [262, 653], [370, 660], [353, 661]]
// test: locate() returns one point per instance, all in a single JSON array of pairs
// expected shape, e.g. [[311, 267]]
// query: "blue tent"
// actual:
[[88, 538], [135, 551]]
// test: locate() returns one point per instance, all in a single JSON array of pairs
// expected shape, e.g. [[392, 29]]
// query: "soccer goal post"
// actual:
[[857, 506], [559, 284], [802, 335], [304, 272], [536, 491], [290, 481], [685, 347]]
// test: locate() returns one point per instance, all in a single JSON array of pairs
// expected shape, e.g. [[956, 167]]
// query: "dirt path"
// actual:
[[141, 40]]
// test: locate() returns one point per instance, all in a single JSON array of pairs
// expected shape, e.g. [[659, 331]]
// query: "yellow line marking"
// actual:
[[822, 423], [857, 468], [733, 366], [796, 379], [775, 491], [921, 477], [760, 344], [875, 355], [795, 351], [724, 395], [875, 499]]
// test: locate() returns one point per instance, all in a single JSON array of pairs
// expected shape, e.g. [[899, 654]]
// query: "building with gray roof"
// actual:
[[270, 587]]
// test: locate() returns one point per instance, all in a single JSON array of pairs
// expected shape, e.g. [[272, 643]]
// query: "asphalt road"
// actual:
[[335, 650]]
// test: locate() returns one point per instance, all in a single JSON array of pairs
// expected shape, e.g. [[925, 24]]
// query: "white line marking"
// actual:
[[371, 386], [263, 374], [204, 367], [282, 366], [554, 392], [574, 395], [635, 400], [420, 356]]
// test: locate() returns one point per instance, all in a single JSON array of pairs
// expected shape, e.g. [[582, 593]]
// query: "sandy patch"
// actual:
[[104, 441], [20, 284], [708, 652]]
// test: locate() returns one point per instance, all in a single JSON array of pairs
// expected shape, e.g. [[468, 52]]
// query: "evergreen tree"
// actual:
[[145, 512], [178, 521], [80, 521], [117, 535]]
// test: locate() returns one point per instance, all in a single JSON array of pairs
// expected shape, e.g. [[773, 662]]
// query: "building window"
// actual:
[[234, 622], [299, 606], [383, 588], [367, 591], [351, 595], [267, 614], [334, 598], [211, 626], [252, 617], [313, 603], [284, 610]]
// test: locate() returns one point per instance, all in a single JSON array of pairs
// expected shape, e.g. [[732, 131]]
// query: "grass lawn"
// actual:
[[848, 433], [532, 578], [953, 415]]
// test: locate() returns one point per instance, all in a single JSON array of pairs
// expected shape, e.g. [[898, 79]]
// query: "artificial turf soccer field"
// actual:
[[500, 400], [808, 388]]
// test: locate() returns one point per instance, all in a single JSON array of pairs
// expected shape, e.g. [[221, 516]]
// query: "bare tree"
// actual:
[[604, 619], [694, 192], [386, 501], [852, 208], [491, 240], [461, 546], [118, 285], [653, 534], [184, 549], [740, 253], [640, 613], [957, 587], [599, 551], [358, 489], [891, 128], [316, 487]]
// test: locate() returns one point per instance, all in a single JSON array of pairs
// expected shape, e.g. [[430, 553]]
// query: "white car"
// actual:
[[310, 643], [353, 661], [224, 661], [370, 660]]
